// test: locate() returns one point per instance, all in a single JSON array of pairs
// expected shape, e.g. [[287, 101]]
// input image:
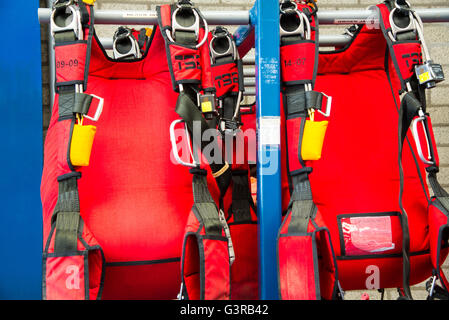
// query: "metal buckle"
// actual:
[[395, 29], [231, 49], [75, 25], [221, 217], [432, 286], [194, 27], [288, 8], [126, 35], [98, 111], [327, 113], [422, 119], [178, 159]]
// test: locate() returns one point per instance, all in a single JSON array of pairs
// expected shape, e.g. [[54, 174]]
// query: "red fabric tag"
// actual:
[[70, 61]]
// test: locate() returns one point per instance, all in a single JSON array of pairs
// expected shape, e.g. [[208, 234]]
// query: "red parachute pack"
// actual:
[[359, 214], [115, 203]]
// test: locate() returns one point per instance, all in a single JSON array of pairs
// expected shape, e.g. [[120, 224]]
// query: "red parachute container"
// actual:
[[114, 229], [365, 202]]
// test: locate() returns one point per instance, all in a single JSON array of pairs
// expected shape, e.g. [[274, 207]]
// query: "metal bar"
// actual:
[[325, 41], [146, 17], [265, 15], [249, 82], [249, 92], [249, 72], [248, 61]]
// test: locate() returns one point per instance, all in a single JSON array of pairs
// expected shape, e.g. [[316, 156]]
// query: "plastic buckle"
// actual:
[[98, 111], [124, 36], [422, 119], [178, 159], [395, 29], [217, 47], [289, 13], [68, 9]]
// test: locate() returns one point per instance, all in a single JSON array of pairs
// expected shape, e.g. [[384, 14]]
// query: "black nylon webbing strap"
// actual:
[[205, 206], [190, 113], [435, 185], [408, 110], [241, 197], [71, 102], [302, 205], [67, 216], [298, 100]]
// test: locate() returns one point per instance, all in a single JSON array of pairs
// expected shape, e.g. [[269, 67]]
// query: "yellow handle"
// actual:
[[313, 139], [81, 144]]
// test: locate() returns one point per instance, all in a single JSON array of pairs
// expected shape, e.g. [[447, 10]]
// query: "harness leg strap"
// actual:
[[205, 262]]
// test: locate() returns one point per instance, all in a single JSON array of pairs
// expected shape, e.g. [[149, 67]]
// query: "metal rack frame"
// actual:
[[257, 32]]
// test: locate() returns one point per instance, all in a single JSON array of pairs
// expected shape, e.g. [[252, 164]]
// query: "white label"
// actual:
[[140, 15], [270, 131], [269, 70]]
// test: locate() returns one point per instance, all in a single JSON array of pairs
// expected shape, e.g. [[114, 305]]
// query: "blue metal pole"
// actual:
[[21, 150], [265, 17]]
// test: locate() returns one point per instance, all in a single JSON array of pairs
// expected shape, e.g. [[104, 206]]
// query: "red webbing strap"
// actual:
[[205, 261], [438, 228], [298, 247], [405, 54], [73, 261]]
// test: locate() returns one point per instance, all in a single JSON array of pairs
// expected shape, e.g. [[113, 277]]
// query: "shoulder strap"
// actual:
[[184, 30], [72, 30]]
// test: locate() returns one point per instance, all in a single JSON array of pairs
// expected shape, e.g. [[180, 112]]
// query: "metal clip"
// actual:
[[432, 286], [129, 47], [221, 217], [220, 48], [290, 14], [98, 111], [422, 119], [395, 29], [190, 23], [327, 113], [61, 14], [192, 164]]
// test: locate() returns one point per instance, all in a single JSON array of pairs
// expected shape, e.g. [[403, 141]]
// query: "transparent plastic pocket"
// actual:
[[370, 234]]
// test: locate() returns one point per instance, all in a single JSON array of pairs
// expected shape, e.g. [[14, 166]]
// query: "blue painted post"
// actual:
[[265, 17], [21, 152]]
